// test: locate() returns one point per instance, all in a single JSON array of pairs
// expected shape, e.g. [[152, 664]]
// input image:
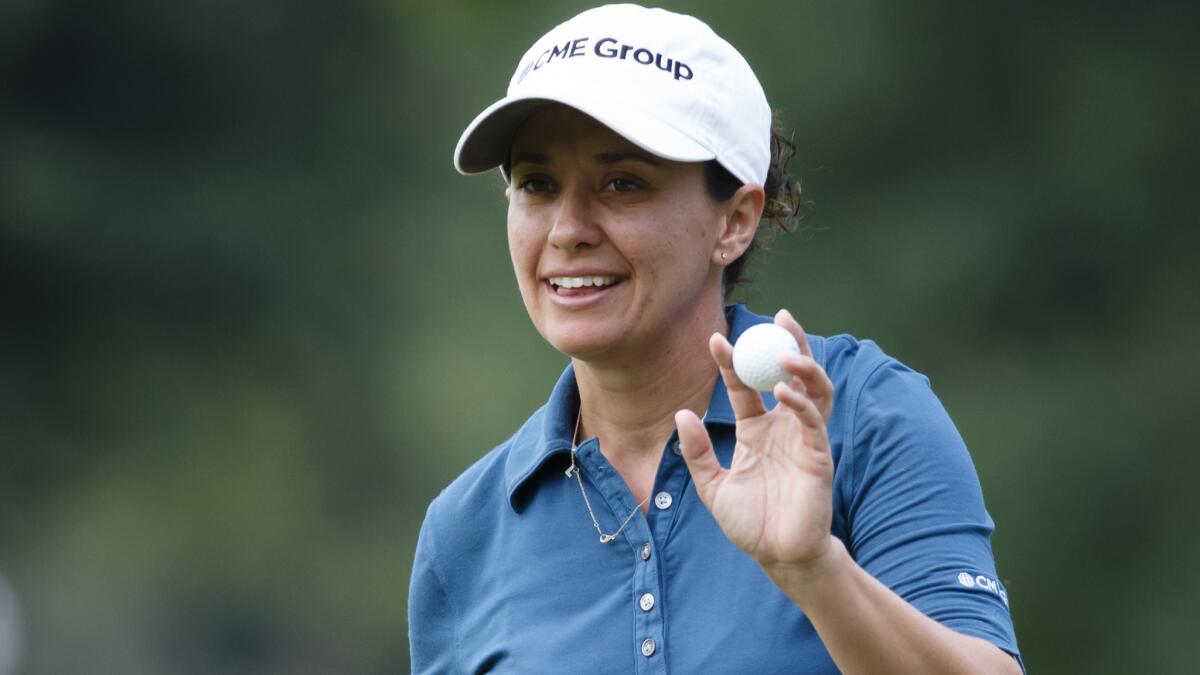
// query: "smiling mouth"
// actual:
[[581, 285]]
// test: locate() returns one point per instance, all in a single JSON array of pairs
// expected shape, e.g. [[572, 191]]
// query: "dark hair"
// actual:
[[782, 205]]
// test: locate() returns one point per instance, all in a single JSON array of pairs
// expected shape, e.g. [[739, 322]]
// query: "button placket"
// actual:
[[670, 486], [647, 585], [646, 581]]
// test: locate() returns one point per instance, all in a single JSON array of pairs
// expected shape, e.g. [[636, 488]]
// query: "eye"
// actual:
[[622, 185], [535, 184]]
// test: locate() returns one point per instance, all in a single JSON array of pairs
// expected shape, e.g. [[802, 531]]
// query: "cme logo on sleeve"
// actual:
[[984, 584]]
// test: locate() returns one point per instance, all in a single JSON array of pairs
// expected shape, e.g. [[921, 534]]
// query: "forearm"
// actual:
[[867, 628]]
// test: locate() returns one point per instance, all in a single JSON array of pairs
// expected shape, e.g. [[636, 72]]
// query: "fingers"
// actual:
[[696, 448], [813, 381], [785, 320], [802, 406], [809, 395], [746, 402], [810, 379]]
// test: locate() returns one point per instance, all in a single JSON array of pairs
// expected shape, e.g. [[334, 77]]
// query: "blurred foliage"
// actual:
[[253, 321]]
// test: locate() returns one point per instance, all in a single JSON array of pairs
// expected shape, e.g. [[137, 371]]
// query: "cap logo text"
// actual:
[[609, 48]]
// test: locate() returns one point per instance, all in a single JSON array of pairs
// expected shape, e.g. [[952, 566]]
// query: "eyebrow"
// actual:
[[530, 157]]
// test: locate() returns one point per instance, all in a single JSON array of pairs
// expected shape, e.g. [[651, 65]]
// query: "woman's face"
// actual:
[[615, 250]]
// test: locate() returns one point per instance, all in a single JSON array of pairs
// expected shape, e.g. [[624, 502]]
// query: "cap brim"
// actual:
[[485, 143]]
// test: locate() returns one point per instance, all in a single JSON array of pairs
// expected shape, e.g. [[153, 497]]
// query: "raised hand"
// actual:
[[775, 501]]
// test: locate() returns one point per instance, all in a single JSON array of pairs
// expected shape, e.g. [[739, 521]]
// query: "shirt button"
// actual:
[[648, 647], [646, 551], [662, 500], [646, 602], [675, 447]]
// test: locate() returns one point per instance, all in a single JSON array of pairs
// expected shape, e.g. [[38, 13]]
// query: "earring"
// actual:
[[722, 255]]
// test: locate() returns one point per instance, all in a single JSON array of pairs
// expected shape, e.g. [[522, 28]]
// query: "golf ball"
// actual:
[[756, 355]]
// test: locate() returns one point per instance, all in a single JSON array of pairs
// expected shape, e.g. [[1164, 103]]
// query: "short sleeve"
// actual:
[[431, 616], [914, 507]]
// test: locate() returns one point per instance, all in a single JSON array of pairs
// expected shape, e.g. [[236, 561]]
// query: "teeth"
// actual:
[[579, 282]]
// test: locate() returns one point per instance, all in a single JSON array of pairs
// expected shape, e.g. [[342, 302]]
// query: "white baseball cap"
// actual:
[[664, 81]]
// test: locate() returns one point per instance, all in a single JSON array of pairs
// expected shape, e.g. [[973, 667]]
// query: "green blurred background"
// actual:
[[253, 321]]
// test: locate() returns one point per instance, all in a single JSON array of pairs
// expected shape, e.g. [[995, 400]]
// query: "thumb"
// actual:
[[697, 450]]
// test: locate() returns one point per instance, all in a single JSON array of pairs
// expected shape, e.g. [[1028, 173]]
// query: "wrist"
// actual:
[[800, 580]]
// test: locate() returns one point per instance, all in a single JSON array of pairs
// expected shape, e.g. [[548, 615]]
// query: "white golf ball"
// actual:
[[756, 355]]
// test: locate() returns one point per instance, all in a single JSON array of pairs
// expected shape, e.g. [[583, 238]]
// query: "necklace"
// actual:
[[574, 470]]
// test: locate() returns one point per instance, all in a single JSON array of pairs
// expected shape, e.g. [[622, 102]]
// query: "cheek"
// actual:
[[685, 240], [523, 248]]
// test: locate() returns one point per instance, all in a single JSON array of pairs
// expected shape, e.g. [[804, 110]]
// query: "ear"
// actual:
[[741, 214]]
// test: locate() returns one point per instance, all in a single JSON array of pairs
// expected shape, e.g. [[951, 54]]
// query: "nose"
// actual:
[[574, 225]]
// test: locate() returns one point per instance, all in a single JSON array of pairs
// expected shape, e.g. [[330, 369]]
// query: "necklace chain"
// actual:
[[574, 470]]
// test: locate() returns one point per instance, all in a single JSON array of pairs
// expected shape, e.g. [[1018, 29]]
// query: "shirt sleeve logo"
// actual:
[[981, 583]]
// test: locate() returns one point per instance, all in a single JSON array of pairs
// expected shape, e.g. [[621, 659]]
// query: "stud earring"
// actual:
[[722, 255]]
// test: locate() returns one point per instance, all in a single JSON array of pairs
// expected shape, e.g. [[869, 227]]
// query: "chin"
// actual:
[[578, 342]]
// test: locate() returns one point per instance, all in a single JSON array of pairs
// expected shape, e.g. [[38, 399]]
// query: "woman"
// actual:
[[656, 514]]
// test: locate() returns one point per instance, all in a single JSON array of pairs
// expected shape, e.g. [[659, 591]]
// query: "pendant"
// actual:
[[605, 538]]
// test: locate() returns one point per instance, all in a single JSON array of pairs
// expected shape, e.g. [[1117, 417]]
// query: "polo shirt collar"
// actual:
[[549, 432]]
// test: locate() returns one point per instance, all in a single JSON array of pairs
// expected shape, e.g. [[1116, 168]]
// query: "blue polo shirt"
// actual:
[[510, 575]]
